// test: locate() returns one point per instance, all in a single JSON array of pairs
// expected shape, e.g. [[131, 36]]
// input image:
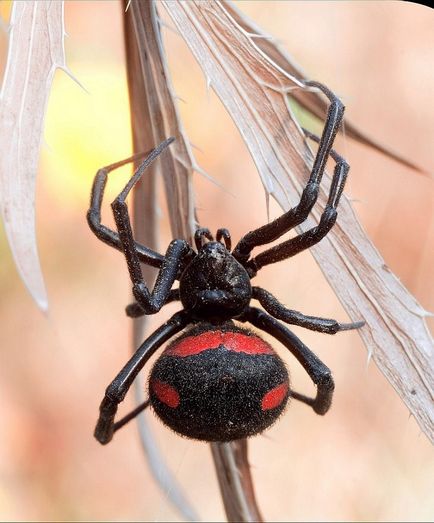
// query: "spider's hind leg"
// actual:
[[118, 388], [319, 373]]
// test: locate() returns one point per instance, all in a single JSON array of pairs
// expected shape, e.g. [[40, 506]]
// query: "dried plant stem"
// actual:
[[145, 228], [154, 117], [235, 480], [310, 101]]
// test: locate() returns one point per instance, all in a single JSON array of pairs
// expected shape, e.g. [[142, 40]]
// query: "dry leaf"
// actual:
[[254, 91], [35, 51]]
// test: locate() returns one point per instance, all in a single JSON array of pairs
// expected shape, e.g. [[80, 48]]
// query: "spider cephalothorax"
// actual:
[[219, 381], [214, 285]]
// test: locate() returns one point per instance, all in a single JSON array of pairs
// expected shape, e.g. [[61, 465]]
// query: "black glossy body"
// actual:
[[213, 394]]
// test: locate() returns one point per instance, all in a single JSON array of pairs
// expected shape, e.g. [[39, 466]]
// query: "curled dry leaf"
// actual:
[[35, 51], [255, 92]]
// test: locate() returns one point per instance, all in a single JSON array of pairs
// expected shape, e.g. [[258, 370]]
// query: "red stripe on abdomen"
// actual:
[[274, 397], [235, 341], [165, 393]]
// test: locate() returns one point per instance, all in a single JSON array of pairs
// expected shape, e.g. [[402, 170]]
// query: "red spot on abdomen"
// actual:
[[165, 393], [235, 341], [274, 397]]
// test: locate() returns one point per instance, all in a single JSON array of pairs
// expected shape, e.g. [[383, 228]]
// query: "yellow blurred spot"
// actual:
[[84, 130], [5, 9]]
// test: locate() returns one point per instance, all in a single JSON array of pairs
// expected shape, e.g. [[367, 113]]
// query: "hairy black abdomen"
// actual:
[[221, 394]]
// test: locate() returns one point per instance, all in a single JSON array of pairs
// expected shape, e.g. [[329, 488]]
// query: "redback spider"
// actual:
[[219, 381]]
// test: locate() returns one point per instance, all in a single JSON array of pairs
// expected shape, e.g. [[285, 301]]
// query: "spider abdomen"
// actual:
[[219, 384]]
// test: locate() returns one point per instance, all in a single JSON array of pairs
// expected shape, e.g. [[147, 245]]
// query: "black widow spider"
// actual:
[[218, 381]]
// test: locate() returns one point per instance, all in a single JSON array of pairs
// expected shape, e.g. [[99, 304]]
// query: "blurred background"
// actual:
[[367, 459]]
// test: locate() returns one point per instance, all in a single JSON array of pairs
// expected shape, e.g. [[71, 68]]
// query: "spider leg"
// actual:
[[295, 216], [131, 415], [134, 310], [278, 311], [319, 373], [177, 252], [116, 391], [102, 232], [309, 238]]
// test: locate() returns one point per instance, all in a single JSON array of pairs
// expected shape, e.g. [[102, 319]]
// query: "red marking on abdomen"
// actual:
[[165, 393], [274, 397], [234, 341]]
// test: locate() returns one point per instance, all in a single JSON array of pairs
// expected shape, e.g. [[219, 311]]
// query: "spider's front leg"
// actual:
[[177, 255], [134, 310], [312, 236], [102, 232], [116, 391], [319, 373], [298, 214]]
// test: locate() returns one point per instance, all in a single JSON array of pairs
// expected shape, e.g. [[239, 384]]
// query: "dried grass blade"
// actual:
[[35, 51]]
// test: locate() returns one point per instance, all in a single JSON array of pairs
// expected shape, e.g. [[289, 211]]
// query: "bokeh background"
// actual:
[[367, 459]]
